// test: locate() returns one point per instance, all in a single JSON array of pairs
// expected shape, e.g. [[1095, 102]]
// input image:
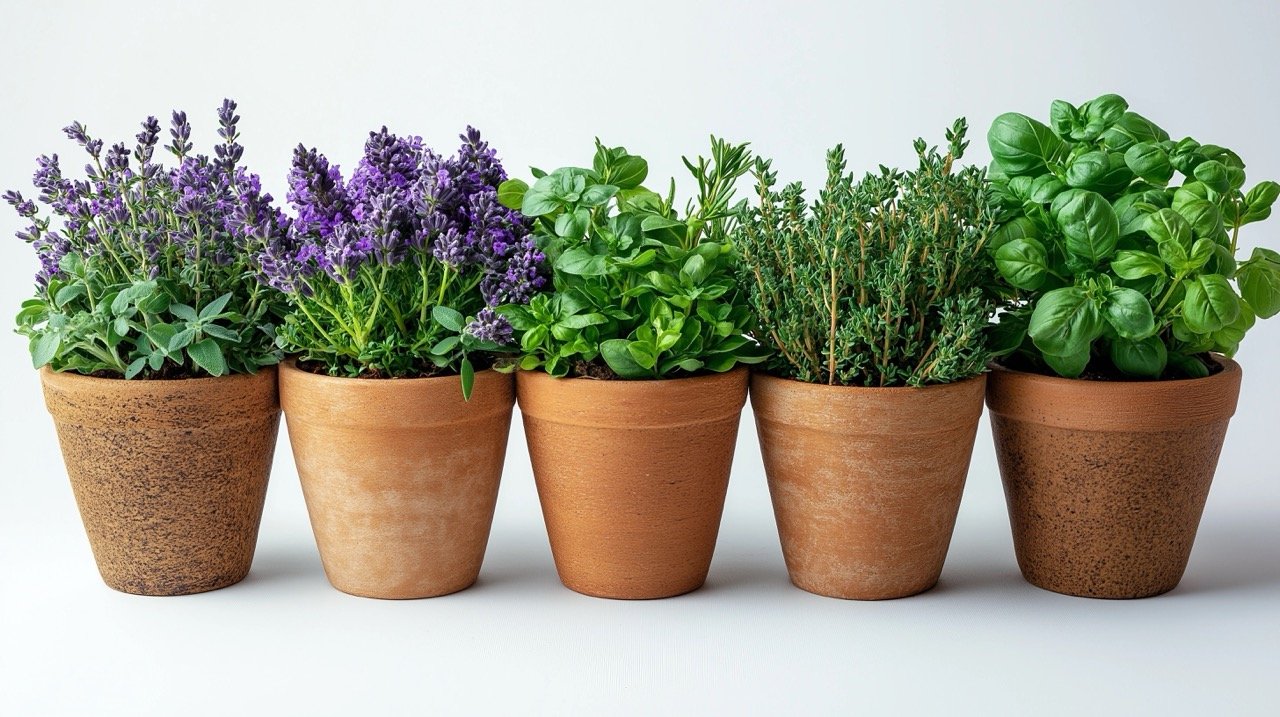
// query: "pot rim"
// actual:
[[48, 374], [1094, 405], [540, 374], [870, 390], [1229, 367], [291, 364]]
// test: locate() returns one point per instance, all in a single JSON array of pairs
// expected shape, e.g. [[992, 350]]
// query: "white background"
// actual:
[[541, 81]]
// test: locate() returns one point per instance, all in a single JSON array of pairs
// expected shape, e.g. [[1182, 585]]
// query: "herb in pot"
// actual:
[[1121, 244], [396, 272], [880, 282], [639, 291], [146, 271]]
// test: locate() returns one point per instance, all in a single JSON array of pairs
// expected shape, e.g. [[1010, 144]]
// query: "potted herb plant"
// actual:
[[156, 349], [875, 301], [397, 419], [631, 386], [1111, 402]]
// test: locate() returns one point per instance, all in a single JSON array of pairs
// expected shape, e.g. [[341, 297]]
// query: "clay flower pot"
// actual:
[[400, 476], [1106, 480], [169, 475], [632, 476], [865, 482]]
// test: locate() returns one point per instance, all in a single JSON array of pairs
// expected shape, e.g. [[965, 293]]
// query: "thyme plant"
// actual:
[[880, 282]]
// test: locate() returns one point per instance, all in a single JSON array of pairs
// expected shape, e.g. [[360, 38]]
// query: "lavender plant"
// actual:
[[146, 271], [397, 271]]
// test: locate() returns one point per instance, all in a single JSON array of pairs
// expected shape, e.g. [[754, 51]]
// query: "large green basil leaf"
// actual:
[[511, 193], [1086, 169], [1133, 264], [1210, 303], [1145, 358], [1069, 366], [1204, 217], [1149, 161], [581, 261], [1017, 228], [1258, 202], [1213, 174], [616, 353], [1065, 322], [628, 172], [1023, 263], [1129, 313], [1172, 234], [1044, 188], [1130, 129], [1022, 145], [1088, 223], [1227, 339], [1259, 281]]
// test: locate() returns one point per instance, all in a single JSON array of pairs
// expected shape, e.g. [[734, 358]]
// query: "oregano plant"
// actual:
[[639, 291], [880, 281], [1120, 244]]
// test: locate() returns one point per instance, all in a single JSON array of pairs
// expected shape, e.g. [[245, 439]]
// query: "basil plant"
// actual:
[[1120, 245]]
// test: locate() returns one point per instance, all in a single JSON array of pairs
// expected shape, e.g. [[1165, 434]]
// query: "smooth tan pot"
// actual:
[[865, 482], [170, 475], [400, 476], [632, 476], [1106, 480]]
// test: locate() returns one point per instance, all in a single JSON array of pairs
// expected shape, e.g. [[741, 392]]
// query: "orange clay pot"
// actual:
[[1106, 480], [400, 476], [169, 475], [865, 482], [632, 476]]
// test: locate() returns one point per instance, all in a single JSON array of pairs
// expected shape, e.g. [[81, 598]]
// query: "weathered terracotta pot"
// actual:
[[632, 476], [170, 475], [1106, 480], [865, 482], [400, 476]]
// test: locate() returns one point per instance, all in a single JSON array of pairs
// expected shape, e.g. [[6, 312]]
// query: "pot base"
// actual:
[[1106, 481]]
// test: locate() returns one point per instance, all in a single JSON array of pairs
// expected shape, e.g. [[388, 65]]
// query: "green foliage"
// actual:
[[401, 320], [639, 292], [880, 282], [1116, 268], [93, 317]]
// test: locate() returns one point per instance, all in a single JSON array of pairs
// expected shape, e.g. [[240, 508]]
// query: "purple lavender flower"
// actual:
[[317, 193], [147, 139], [489, 325], [404, 205], [180, 132], [230, 151]]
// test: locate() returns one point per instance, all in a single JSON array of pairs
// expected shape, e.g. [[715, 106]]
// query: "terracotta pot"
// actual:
[[632, 476], [865, 482], [1106, 480], [169, 475], [400, 476]]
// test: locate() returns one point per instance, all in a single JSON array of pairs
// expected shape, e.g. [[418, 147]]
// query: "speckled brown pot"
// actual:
[[169, 475], [1106, 480], [632, 476], [400, 476], [865, 482]]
